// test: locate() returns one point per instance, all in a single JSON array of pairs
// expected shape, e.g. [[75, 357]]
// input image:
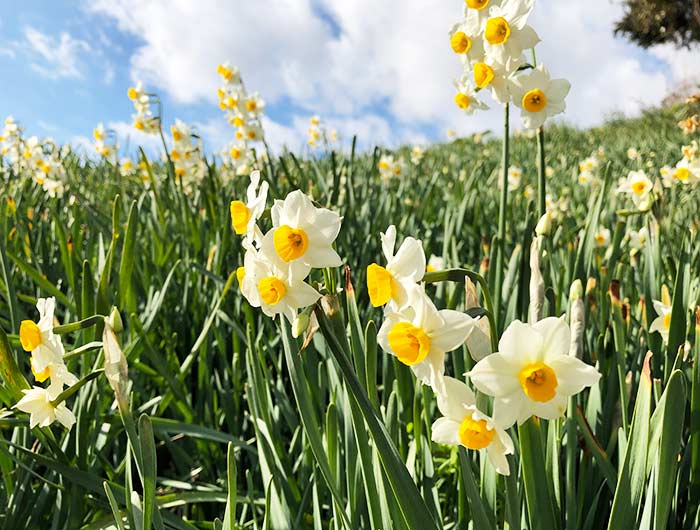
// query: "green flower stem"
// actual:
[[541, 173], [500, 251]]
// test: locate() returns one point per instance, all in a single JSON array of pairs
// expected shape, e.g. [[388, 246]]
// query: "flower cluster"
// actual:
[[244, 111], [277, 263], [687, 170], [532, 374], [41, 159], [491, 40], [589, 170], [319, 134], [186, 156], [105, 143], [144, 119], [390, 167], [47, 362]]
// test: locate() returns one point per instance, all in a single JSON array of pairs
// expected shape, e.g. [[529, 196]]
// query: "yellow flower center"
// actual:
[[539, 381], [497, 30], [177, 135], [271, 290], [483, 75], [175, 154], [460, 42], [410, 343], [240, 215], [29, 335], [667, 320], [235, 153], [463, 101], [40, 376], [682, 174], [224, 72], [139, 125], [132, 93], [475, 434], [252, 135], [251, 105], [290, 243], [98, 135], [383, 165], [534, 100], [477, 4], [639, 187], [238, 121], [380, 285]]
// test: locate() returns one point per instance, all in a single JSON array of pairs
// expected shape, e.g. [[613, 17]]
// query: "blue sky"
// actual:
[[365, 66]]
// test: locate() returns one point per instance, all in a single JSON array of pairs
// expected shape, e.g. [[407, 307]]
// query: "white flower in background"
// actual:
[[588, 178], [589, 164], [632, 153], [116, 369], [539, 96], [402, 271], [506, 33], [390, 167], [266, 282], [662, 323], [638, 239], [238, 157], [126, 167], [244, 215], [602, 237], [435, 263], [532, 373], [37, 403], [638, 185], [515, 175], [685, 172], [303, 235], [417, 155], [690, 151], [464, 424], [466, 98], [46, 348], [529, 192], [419, 335]]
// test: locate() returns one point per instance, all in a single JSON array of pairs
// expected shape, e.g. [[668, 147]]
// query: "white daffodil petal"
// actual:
[[446, 431], [454, 332], [573, 375], [495, 375], [456, 397]]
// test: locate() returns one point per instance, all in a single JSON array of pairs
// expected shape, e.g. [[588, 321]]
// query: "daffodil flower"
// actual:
[[639, 187], [420, 335], [532, 373], [46, 348], [303, 235], [662, 323], [266, 283], [505, 30], [539, 96], [37, 403], [466, 98], [403, 270], [464, 424], [245, 215]]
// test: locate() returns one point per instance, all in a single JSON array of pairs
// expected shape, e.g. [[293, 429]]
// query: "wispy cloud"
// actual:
[[55, 57]]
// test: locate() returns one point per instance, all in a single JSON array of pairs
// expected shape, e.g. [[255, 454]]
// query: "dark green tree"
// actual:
[[650, 22]]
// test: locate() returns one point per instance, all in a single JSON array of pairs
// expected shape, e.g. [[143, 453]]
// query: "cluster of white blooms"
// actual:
[[105, 143], [244, 111], [687, 170], [589, 169], [144, 119], [318, 134], [186, 156], [491, 40], [417, 154], [41, 159], [127, 168], [47, 362], [277, 263], [391, 167], [531, 374], [515, 175]]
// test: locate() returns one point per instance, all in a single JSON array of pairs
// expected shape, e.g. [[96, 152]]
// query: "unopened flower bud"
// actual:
[[544, 225], [576, 290], [115, 321], [300, 324]]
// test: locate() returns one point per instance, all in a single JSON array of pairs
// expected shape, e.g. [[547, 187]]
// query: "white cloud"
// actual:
[[381, 70], [58, 56]]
